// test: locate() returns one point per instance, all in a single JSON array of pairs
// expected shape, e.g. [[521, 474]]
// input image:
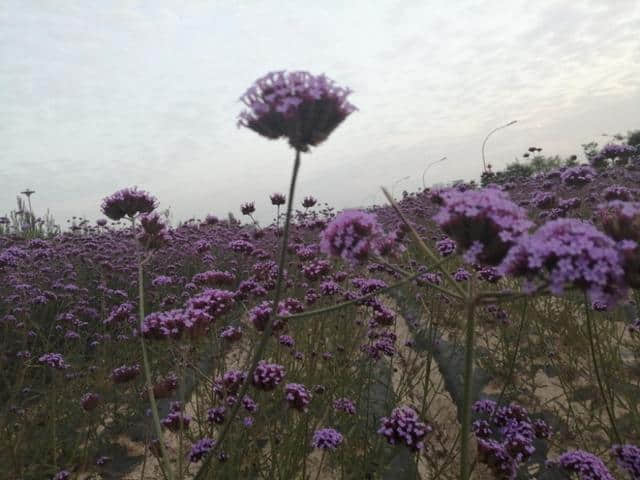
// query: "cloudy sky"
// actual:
[[96, 95]]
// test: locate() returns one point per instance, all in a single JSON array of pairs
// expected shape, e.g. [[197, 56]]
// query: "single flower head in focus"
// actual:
[[277, 199], [299, 106], [128, 202], [309, 202]]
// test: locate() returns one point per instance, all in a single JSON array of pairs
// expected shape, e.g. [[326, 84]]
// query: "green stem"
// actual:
[[423, 246], [509, 376], [267, 331], [592, 348], [466, 398], [145, 361]]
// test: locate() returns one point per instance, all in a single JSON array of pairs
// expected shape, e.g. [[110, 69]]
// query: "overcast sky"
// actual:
[[99, 95]]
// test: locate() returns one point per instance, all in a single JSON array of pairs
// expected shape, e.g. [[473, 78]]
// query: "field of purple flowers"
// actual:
[[462, 332]]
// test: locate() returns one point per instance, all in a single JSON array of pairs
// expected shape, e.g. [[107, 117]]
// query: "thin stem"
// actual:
[[468, 382], [423, 246], [145, 361], [592, 348], [267, 331], [431, 285], [320, 466], [509, 376]]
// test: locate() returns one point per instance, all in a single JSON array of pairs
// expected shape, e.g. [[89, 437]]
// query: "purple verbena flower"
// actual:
[[297, 396], [344, 405], [89, 401], [404, 427], [53, 360], [128, 202], [309, 202], [352, 235], [628, 459], [301, 107], [216, 415], [248, 208], [484, 223], [125, 373], [578, 176], [585, 465], [570, 252], [446, 246], [200, 449], [278, 199], [267, 375], [326, 439]]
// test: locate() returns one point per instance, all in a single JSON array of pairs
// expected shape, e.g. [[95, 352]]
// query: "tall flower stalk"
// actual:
[[132, 203], [304, 109], [145, 360]]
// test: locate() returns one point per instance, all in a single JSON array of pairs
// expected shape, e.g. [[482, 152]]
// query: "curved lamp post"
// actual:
[[484, 164], [428, 167]]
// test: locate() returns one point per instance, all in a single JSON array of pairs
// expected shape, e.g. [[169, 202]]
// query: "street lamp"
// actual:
[[428, 167], [484, 164]]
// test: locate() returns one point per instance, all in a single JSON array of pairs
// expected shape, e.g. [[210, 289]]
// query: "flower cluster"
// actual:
[[297, 396], [484, 223], [586, 465], [128, 202], [327, 439], [505, 436], [242, 246], [570, 252], [544, 200], [89, 401], [213, 302], [173, 323], [214, 278], [267, 375], [446, 247], [278, 199], [618, 192], [404, 427], [229, 383], [53, 360], [621, 220], [621, 152], [352, 235], [578, 176], [260, 315], [121, 313], [315, 269], [125, 373], [200, 449], [248, 208], [166, 386], [344, 405], [309, 202], [154, 231], [301, 107], [628, 459], [216, 415], [175, 419], [231, 334]]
